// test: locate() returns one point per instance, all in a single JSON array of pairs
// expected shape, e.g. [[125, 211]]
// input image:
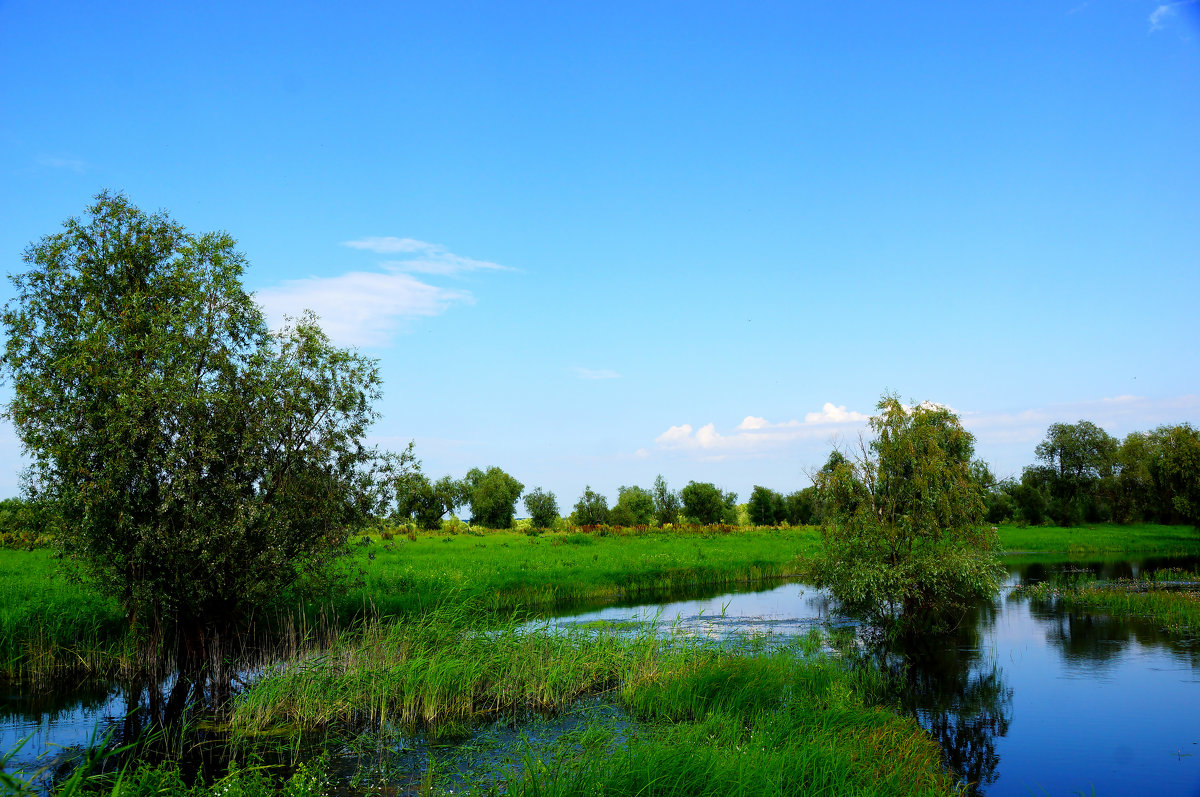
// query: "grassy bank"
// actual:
[[51, 627], [1168, 598]]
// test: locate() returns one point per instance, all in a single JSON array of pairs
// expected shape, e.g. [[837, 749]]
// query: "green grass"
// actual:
[[1101, 538], [710, 720], [52, 627], [1177, 610], [50, 624], [510, 570]]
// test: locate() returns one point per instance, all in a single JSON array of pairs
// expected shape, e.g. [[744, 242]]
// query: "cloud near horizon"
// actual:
[[755, 435], [368, 308], [994, 431], [1118, 415]]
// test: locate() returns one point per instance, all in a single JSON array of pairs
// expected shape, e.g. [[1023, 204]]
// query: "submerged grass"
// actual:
[[710, 719], [1169, 598]]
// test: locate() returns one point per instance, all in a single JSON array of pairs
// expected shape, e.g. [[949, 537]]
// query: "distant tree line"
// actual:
[[1085, 475], [1082, 475], [492, 497]]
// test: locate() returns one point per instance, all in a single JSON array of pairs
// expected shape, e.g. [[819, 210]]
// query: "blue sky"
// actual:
[[594, 242]]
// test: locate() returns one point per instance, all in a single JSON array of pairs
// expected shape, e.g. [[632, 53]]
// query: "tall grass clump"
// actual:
[[442, 668], [1168, 598], [776, 724], [710, 719]]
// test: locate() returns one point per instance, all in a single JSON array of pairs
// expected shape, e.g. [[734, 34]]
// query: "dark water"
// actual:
[[1026, 699]]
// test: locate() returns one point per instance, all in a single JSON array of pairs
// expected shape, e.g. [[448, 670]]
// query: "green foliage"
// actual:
[[766, 507], [903, 543], [635, 507], [802, 507], [591, 509], [202, 465], [542, 507], [425, 502], [1077, 471], [28, 523], [1177, 469], [666, 502], [704, 503], [493, 497]]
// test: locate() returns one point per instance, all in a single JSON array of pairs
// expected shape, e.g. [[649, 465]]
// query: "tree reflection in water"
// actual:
[[958, 696]]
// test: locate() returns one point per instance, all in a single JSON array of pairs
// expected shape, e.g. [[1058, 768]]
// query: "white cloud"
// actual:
[[388, 245], [367, 308], [1119, 415], [595, 373], [676, 434], [755, 434], [359, 308], [425, 258], [831, 414]]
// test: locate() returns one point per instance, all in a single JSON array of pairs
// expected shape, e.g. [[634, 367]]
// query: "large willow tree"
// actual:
[[203, 464], [904, 540]]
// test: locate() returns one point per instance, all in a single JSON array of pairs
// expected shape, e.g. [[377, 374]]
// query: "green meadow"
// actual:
[[52, 625]]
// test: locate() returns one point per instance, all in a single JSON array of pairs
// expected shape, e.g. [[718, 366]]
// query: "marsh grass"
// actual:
[[443, 671], [710, 718], [789, 722], [1169, 598]]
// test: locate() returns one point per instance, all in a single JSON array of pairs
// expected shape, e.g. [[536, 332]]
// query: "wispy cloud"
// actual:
[[1163, 13], [368, 308], [70, 164], [595, 373], [755, 435], [422, 257], [1159, 16], [1119, 415]]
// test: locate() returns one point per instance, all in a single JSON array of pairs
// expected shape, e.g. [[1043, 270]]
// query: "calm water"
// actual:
[[1025, 700]]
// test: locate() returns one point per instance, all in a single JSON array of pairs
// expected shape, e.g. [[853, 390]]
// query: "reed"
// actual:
[[785, 723], [1168, 598], [710, 718]]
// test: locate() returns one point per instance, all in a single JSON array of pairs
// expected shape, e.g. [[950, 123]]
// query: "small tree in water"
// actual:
[[202, 464], [904, 540]]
